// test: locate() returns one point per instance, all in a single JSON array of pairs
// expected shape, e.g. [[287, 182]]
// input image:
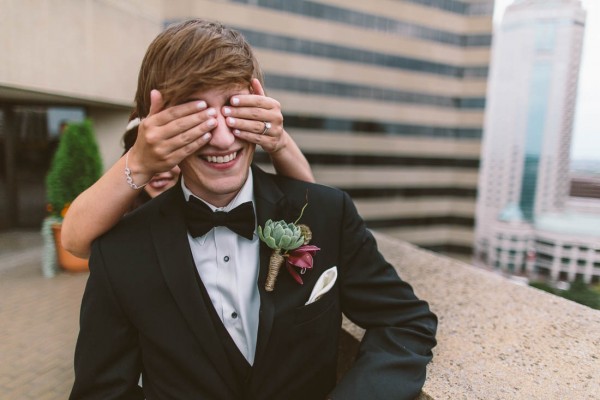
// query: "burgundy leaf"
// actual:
[[294, 273]]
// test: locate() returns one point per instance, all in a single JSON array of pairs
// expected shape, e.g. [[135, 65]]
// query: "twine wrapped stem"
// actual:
[[275, 263]]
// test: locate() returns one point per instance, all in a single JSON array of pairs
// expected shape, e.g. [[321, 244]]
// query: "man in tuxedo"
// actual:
[[177, 292]]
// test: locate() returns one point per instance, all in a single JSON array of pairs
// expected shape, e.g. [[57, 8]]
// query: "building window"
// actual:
[[370, 21], [342, 89], [331, 51], [380, 127]]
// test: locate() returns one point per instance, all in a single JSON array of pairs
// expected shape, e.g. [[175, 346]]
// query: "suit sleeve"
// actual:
[[400, 328], [107, 358]]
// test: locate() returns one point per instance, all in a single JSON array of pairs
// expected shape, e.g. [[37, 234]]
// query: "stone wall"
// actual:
[[496, 339]]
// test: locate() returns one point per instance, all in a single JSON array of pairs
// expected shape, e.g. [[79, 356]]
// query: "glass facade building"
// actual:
[[527, 133]]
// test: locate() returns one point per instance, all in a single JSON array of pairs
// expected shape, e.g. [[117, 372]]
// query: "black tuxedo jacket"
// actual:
[[143, 311]]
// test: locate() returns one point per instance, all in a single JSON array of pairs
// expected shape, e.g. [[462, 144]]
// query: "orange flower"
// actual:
[[65, 209]]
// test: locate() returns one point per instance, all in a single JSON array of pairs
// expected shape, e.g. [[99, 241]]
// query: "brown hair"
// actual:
[[191, 56]]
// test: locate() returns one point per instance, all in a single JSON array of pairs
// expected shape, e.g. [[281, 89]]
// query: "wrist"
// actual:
[[136, 176], [281, 144]]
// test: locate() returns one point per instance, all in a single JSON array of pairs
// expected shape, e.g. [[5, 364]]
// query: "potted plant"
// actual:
[[76, 165]]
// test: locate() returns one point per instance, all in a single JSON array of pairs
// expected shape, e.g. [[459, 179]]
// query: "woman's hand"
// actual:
[[248, 114], [167, 136], [247, 117]]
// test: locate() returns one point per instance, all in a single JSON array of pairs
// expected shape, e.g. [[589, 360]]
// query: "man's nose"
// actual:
[[222, 136]]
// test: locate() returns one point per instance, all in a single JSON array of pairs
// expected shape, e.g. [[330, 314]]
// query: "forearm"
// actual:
[[289, 161], [381, 373], [99, 208], [400, 327]]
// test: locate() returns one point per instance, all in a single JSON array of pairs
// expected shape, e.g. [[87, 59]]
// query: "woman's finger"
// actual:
[[256, 126], [250, 113], [198, 134], [174, 113], [156, 102], [192, 147], [253, 100], [257, 87], [189, 123], [269, 143]]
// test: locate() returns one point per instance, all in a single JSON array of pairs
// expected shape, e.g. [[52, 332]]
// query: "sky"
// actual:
[[586, 131]]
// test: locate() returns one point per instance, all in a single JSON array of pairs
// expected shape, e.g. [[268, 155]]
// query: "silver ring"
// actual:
[[267, 127]]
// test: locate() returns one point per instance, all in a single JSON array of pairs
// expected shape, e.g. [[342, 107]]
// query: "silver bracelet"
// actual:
[[128, 177]]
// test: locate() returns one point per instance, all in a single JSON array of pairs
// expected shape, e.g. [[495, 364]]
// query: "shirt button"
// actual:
[[226, 258], [234, 315]]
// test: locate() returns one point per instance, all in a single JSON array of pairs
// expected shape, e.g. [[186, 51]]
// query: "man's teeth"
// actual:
[[221, 159]]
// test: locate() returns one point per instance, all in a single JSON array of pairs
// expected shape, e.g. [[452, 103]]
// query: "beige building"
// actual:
[[386, 97]]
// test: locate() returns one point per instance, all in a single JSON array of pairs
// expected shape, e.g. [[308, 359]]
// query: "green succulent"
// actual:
[[281, 236]]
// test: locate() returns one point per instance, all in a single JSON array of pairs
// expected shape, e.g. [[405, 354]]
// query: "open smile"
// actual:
[[220, 159]]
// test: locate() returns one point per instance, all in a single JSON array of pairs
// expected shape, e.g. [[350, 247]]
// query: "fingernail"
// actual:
[[201, 105], [211, 122], [235, 101], [212, 112], [206, 136], [226, 110], [236, 132], [231, 121]]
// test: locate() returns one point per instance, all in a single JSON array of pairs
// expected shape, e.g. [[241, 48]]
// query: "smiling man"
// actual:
[[177, 290]]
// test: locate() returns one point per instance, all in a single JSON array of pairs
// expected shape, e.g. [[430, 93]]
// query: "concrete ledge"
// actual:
[[497, 339]]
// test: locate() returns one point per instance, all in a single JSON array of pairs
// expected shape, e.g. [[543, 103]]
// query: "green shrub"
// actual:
[[76, 165], [579, 292], [582, 294]]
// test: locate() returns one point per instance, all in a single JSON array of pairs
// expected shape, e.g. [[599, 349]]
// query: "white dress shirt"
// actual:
[[228, 265]]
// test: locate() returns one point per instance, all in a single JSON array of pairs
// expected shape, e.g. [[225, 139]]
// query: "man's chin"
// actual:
[[217, 190]]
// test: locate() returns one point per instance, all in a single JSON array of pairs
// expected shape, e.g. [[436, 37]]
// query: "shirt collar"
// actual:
[[245, 194]]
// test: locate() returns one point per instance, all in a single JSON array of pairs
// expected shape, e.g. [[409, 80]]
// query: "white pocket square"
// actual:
[[323, 285]]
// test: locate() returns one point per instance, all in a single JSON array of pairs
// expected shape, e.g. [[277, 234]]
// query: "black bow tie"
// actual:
[[201, 219]]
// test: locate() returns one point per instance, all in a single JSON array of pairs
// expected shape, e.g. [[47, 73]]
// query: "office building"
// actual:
[[524, 224], [386, 98]]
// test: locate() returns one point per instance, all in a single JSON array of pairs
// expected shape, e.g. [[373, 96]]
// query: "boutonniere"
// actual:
[[289, 242]]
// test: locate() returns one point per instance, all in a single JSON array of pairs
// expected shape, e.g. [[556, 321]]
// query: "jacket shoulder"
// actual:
[[137, 221], [297, 189]]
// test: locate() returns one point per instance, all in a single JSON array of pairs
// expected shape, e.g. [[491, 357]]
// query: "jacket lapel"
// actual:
[[271, 204], [169, 234]]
